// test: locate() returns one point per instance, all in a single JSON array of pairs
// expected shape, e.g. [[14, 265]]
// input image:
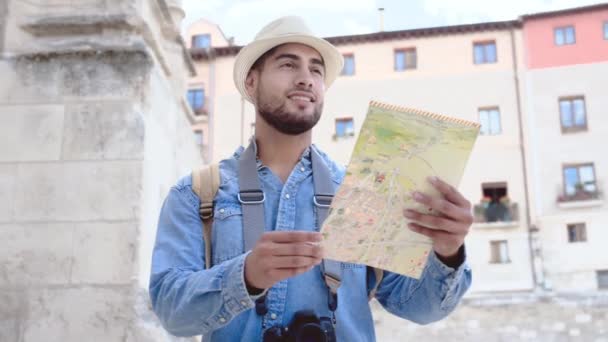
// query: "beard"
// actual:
[[276, 114]]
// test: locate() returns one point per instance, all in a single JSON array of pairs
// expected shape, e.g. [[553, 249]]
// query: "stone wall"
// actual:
[[3, 14], [514, 317], [93, 132]]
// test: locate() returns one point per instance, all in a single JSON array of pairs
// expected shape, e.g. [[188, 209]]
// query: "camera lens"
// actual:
[[310, 332], [273, 334]]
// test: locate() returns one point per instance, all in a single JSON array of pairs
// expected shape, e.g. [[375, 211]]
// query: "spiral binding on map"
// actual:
[[424, 113]]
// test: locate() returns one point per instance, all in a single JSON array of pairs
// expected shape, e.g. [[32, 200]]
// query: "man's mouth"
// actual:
[[301, 96]]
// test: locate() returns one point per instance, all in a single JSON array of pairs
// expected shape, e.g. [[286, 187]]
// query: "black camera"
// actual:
[[305, 327]]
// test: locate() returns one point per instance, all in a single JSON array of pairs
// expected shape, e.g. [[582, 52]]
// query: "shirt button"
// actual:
[[273, 316], [222, 210], [302, 169], [222, 320], [243, 303], [287, 196]]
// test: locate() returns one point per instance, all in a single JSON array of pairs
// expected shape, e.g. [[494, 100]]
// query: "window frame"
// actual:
[[578, 173], [345, 56], [488, 109], [201, 108], [601, 274], [580, 233], [199, 133], [344, 119], [563, 29], [484, 43], [194, 38], [574, 128], [498, 243], [405, 51]]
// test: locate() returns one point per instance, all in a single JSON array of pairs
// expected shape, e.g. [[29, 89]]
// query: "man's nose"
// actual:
[[305, 79]]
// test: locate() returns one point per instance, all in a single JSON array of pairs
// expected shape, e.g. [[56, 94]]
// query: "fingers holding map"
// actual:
[[397, 150]]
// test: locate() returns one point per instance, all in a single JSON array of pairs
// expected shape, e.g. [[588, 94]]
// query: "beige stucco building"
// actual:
[[566, 130], [478, 72]]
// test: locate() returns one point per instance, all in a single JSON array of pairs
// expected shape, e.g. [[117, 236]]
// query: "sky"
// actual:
[[242, 19]]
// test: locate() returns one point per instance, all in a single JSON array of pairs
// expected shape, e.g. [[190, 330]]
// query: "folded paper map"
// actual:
[[397, 149]]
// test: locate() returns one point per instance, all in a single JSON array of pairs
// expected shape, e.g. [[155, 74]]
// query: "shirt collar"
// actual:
[[305, 157]]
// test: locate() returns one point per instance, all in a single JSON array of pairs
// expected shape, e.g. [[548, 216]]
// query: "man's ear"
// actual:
[[251, 82]]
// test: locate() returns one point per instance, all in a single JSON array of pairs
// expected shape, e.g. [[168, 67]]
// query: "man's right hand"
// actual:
[[280, 255]]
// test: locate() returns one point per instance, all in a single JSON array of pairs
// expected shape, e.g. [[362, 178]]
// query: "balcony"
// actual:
[[202, 109], [496, 214], [580, 198]]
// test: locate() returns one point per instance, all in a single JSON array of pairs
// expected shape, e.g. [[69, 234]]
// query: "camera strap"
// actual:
[[252, 200]]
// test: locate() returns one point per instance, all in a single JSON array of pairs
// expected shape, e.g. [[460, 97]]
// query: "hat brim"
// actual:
[[247, 56]]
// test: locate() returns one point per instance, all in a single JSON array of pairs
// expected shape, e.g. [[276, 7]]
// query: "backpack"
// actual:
[[210, 174]]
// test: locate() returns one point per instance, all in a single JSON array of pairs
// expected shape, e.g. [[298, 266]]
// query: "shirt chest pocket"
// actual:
[[227, 235]]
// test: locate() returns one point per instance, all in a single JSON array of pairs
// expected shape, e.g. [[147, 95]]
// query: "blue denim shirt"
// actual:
[[191, 300]]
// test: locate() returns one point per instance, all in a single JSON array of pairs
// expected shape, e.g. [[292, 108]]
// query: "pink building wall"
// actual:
[[590, 46]]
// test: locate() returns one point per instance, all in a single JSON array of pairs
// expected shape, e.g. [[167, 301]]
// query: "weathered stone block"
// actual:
[[78, 191], [21, 84], [104, 253], [77, 314], [30, 133], [105, 130], [12, 313], [69, 76], [8, 173], [34, 254]]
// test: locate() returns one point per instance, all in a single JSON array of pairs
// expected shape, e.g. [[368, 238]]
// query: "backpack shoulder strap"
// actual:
[[205, 183], [378, 276]]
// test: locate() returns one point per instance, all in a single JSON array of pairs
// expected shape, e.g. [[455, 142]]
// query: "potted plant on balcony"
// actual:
[[485, 201], [580, 193]]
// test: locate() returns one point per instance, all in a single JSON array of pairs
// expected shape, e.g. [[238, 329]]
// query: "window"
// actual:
[[495, 204], [572, 113], [602, 279], [405, 59], [201, 41], [606, 30], [577, 232], [500, 252], [564, 35], [196, 98], [345, 127], [484, 52], [489, 118], [579, 181], [349, 65], [198, 137]]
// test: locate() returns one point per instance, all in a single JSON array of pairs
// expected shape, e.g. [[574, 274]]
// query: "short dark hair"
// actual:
[[259, 63]]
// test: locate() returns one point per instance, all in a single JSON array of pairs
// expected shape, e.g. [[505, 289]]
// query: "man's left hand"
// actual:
[[447, 230]]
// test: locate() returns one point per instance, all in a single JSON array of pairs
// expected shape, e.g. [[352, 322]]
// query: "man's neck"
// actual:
[[278, 151]]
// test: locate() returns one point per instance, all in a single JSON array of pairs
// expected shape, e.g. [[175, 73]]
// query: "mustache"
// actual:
[[302, 92]]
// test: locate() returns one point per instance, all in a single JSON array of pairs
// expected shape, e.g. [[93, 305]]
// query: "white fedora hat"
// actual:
[[281, 31]]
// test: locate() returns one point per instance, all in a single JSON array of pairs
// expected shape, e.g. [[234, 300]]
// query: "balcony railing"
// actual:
[[580, 198], [490, 212], [579, 195]]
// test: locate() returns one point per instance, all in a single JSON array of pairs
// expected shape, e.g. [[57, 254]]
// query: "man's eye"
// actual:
[[318, 71], [288, 65]]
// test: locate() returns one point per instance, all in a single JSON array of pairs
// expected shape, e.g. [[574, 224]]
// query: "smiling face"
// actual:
[[288, 88]]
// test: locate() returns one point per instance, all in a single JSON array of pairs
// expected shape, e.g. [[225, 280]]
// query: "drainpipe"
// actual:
[[210, 120], [532, 229]]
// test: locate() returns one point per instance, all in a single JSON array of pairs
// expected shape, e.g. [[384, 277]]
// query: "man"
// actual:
[[284, 73]]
